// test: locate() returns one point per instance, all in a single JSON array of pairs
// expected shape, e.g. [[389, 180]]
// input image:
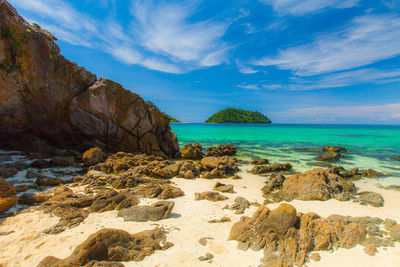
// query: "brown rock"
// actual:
[[190, 151], [334, 149], [93, 156], [22, 188], [8, 197], [50, 97], [223, 188], [207, 257], [112, 245], [221, 150], [222, 220], [370, 250], [395, 232], [240, 205], [371, 174], [271, 168], [315, 256], [6, 172], [63, 161], [41, 164], [329, 156], [48, 181], [369, 198], [260, 162], [30, 199], [159, 211], [210, 196]]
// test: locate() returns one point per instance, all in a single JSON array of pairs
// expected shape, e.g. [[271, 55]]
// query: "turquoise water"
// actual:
[[369, 146]]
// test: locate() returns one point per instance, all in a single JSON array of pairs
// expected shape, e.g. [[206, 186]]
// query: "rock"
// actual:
[[369, 198], [389, 223], [104, 264], [219, 167], [190, 151], [275, 181], [113, 200], [316, 184], [223, 188], [210, 196], [207, 257], [47, 96], [221, 150], [8, 197], [371, 174], [320, 164], [353, 174], [30, 199], [54, 230], [203, 240], [168, 171], [260, 162], [222, 220], [395, 232], [370, 250], [112, 245], [48, 181], [165, 191], [271, 168], [6, 172], [161, 210], [63, 161], [315, 256], [19, 165], [288, 236], [397, 158], [240, 205], [334, 149], [93, 156], [22, 188], [41, 164], [329, 156]]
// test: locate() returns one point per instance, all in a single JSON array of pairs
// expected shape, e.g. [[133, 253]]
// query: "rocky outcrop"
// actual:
[[260, 162], [210, 196], [370, 173], [329, 156], [112, 245], [224, 188], [369, 198], [221, 150], [334, 149], [288, 236], [190, 151], [8, 197], [93, 156], [43, 95], [316, 184]]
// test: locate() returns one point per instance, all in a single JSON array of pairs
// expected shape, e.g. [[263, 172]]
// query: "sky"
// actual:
[[296, 61]]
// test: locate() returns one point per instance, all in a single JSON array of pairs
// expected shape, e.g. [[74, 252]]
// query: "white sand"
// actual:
[[27, 246]]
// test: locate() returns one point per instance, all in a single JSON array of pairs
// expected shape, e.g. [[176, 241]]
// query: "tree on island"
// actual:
[[152, 105], [235, 115]]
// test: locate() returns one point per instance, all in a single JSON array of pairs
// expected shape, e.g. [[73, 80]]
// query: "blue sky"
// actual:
[[297, 61]]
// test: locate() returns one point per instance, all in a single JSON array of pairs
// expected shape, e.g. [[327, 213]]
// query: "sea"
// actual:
[[369, 146]]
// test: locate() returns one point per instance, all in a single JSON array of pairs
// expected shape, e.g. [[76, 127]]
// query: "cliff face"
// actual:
[[42, 94]]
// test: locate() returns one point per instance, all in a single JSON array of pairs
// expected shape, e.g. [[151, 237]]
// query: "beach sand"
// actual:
[[27, 246]]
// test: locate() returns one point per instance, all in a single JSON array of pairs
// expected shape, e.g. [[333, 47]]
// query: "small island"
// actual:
[[152, 105], [235, 115]]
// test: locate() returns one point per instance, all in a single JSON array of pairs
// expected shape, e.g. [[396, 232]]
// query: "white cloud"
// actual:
[[386, 112], [159, 37], [166, 29], [367, 40], [245, 69], [249, 86], [301, 7]]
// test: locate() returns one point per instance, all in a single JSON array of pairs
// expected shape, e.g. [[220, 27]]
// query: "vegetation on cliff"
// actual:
[[235, 115], [152, 105]]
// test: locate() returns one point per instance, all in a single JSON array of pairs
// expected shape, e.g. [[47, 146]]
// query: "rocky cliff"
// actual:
[[44, 95]]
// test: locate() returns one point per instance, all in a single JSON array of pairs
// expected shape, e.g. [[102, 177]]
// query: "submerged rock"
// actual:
[[260, 162], [159, 211], [370, 173], [334, 149], [112, 245], [274, 167], [221, 150], [8, 196], [329, 156], [6, 172]]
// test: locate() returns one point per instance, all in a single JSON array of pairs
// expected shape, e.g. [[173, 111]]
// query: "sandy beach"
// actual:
[[188, 222]]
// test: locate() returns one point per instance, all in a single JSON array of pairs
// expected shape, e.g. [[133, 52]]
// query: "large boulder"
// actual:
[[190, 151], [8, 197], [44, 95], [274, 167], [329, 156], [93, 156], [112, 245], [221, 150]]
